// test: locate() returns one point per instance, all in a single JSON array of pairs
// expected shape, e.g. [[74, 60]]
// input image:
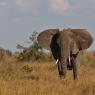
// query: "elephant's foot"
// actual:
[[69, 67], [62, 76], [75, 78]]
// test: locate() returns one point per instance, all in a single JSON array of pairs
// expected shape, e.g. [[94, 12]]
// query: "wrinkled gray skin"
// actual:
[[65, 46]]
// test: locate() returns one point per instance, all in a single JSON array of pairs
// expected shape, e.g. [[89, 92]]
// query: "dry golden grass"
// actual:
[[36, 78]]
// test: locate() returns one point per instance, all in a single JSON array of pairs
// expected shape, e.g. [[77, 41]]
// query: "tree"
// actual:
[[20, 47], [33, 52], [33, 39]]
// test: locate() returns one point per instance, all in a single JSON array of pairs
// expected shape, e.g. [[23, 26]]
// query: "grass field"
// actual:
[[38, 78]]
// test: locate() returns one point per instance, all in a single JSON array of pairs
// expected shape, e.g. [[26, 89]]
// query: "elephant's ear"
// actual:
[[44, 38], [83, 38]]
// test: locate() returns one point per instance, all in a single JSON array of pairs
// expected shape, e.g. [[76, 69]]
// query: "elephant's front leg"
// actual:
[[74, 66]]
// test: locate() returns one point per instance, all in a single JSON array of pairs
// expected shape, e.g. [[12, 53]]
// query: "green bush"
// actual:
[[35, 56]]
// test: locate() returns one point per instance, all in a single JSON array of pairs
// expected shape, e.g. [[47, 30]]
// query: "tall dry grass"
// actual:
[[36, 78]]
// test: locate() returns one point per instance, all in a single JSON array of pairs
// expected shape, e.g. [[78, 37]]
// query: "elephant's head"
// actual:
[[64, 43]]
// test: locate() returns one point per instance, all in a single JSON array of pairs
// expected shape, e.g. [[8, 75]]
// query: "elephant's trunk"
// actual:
[[64, 53]]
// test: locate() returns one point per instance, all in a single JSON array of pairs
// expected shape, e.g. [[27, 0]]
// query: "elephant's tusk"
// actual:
[[56, 61]]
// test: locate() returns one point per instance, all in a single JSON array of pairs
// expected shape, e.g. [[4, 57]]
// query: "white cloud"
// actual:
[[64, 6], [56, 6], [59, 5], [3, 3]]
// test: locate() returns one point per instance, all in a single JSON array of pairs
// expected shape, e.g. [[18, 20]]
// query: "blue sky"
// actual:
[[19, 18]]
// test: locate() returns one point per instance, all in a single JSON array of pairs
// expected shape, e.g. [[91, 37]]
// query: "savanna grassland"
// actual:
[[41, 78]]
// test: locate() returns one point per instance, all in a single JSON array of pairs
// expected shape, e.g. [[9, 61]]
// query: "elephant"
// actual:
[[65, 46]]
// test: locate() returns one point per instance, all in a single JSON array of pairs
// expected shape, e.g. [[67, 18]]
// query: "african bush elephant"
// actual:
[[65, 46]]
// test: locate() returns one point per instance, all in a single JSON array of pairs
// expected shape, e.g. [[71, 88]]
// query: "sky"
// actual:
[[19, 18]]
